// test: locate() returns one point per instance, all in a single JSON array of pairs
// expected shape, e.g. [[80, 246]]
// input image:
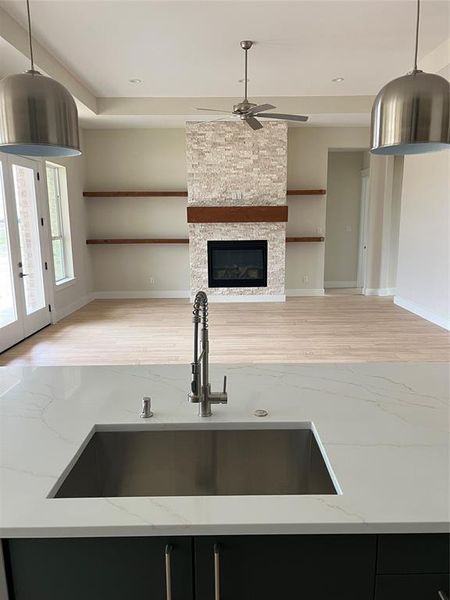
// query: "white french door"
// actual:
[[24, 285]]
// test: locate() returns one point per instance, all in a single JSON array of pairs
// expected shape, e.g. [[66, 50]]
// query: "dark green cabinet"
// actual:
[[413, 566], [412, 586], [263, 567], [252, 567], [99, 568], [413, 553]]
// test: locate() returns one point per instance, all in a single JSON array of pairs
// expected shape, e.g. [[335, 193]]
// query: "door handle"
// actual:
[[22, 275], [168, 561], [216, 572], [442, 595]]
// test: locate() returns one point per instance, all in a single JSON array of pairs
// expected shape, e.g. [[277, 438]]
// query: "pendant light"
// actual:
[[38, 116], [410, 115]]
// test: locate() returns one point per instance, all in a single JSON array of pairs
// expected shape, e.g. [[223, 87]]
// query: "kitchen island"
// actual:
[[383, 430]]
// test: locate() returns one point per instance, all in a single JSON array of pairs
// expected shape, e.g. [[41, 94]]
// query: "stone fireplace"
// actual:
[[242, 255]]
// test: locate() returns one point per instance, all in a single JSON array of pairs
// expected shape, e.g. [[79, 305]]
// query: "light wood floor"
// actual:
[[314, 329]]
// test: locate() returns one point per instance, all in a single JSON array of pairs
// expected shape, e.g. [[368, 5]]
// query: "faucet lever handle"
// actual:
[[224, 384]]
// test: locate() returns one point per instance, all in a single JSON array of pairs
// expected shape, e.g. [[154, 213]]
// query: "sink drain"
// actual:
[[261, 413]]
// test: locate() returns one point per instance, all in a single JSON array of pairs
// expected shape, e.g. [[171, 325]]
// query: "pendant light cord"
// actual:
[[417, 35], [29, 35]]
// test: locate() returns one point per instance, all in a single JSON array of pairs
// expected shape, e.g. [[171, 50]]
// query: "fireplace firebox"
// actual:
[[237, 263]]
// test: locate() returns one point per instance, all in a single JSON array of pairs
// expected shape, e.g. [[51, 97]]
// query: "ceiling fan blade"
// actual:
[[260, 108], [284, 117], [254, 123], [211, 109]]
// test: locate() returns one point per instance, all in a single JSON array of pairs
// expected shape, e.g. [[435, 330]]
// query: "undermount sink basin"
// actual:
[[198, 462]]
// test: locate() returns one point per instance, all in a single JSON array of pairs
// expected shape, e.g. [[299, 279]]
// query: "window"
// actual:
[[59, 223]]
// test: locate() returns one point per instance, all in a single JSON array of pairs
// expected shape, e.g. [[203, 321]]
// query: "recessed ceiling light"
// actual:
[[337, 79], [136, 81]]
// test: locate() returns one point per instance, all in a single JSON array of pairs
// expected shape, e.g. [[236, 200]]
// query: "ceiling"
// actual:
[[191, 49]]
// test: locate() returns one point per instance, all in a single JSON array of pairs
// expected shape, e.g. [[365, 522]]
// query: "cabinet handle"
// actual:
[[216, 572], [442, 595], [168, 560]]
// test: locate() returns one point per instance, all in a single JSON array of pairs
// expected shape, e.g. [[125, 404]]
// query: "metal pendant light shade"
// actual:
[[38, 117], [411, 114]]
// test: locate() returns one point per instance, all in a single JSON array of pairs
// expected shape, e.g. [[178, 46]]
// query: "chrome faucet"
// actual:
[[200, 388]]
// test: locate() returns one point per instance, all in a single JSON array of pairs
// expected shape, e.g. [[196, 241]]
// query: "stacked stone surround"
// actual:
[[228, 164]]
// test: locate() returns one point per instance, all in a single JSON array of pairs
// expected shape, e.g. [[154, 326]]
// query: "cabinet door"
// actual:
[[412, 587], [413, 553], [341, 567], [98, 568]]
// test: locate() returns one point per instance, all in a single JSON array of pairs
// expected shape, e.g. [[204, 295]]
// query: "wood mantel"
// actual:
[[179, 194], [237, 214]]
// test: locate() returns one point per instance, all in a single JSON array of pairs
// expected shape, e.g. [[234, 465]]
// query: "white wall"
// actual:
[[397, 186], [385, 185], [134, 159], [342, 218], [423, 277], [138, 159], [156, 159]]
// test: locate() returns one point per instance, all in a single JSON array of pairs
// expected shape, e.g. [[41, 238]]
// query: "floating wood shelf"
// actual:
[[237, 214], [140, 241], [305, 239], [134, 194], [306, 192], [181, 194], [123, 241]]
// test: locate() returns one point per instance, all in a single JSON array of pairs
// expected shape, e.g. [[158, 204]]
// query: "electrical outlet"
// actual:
[[305, 279], [152, 280]]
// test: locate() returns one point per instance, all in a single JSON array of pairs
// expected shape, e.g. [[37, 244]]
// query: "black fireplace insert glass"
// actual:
[[237, 263]]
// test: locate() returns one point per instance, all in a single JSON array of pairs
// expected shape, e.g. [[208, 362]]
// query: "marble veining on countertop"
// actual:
[[384, 427]]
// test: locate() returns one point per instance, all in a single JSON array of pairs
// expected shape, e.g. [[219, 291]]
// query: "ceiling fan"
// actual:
[[248, 111]]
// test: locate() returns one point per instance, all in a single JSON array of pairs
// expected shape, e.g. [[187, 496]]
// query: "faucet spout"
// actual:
[[200, 387]]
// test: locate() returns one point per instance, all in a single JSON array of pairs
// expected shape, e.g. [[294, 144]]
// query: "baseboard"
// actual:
[[340, 284], [423, 312], [122, 295], [378, 291], [247, 298], [305, 292], [67, 310]]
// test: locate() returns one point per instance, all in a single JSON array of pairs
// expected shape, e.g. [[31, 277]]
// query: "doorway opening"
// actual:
[[346, 222]]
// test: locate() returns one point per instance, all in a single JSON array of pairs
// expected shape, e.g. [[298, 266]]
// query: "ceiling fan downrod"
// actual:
[[246, 45]]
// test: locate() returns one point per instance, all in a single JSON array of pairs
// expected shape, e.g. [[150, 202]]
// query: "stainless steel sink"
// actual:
[[198, 462]]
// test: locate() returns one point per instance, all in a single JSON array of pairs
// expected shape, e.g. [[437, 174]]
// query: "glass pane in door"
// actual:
[[58, 259], [30, 249], [8, 313]]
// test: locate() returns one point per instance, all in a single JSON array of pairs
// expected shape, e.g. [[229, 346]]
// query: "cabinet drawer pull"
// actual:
[[168, 559], [442, 595], [216, 572]]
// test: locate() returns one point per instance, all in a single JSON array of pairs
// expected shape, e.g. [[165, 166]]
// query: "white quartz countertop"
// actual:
[[384, 427]]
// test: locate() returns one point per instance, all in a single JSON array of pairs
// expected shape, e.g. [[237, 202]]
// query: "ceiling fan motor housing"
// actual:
[[243, 107]]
